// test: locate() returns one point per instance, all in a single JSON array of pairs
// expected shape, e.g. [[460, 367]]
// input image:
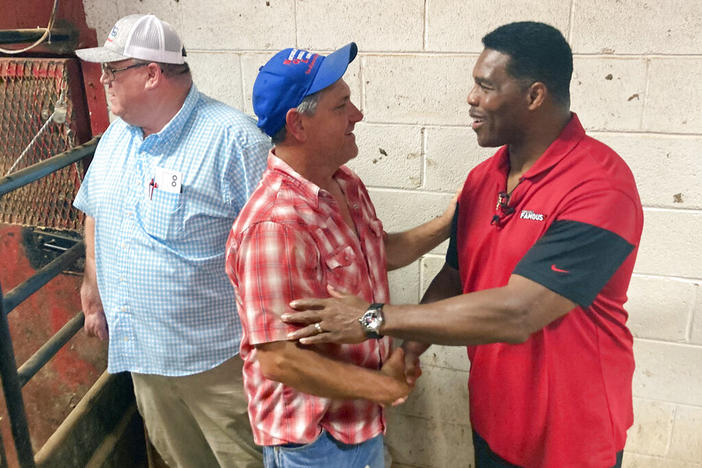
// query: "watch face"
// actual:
[[370, 320]]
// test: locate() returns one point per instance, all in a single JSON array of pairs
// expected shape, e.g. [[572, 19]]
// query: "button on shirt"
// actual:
[[163, 206], [289, 242]]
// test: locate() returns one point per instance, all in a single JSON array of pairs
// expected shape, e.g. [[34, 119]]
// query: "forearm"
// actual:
[[509, 314], [445, 284], [95, 323], [311, 372], [89, 272], [402, 248], [476, 318], [90, 295]]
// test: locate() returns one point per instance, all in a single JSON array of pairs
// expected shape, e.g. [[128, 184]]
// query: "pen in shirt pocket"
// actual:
[[152, 185]]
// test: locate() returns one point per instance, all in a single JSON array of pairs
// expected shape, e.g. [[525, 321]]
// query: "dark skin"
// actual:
[[505, 110]]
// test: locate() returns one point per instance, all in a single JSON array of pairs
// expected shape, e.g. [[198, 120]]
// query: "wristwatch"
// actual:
[[372, 320]]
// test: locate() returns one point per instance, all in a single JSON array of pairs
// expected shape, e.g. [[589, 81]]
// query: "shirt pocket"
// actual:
[[343, 270], [161, 215]]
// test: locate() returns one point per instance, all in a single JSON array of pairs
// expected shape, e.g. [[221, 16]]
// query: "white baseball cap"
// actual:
[[142, 37]]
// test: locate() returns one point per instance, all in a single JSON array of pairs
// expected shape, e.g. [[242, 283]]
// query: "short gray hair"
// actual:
[[308, 106], [170, 70]]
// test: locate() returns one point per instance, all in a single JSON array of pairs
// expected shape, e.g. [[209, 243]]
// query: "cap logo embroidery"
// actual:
[[113, 33], [530, 215], [302, 56]]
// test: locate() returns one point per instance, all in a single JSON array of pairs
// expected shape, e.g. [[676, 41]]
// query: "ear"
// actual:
[[536, 95], [295, 125], [155, 76]]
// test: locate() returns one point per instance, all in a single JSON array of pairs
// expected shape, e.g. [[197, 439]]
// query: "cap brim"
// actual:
[[333, 67], [99, 54]]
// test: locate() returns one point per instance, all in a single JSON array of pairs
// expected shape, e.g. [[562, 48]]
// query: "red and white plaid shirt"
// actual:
[[289, 242]]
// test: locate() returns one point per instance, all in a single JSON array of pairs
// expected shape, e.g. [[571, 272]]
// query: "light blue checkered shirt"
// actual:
[[169, 305]]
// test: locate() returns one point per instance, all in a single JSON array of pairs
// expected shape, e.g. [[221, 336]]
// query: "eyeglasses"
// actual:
[[110, 72]]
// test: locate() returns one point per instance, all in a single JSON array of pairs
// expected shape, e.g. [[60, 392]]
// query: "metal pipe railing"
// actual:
[[21, 36], [13, 394], [43, 276], [3, 457], [43, 168], [13, 379], [49, 349]]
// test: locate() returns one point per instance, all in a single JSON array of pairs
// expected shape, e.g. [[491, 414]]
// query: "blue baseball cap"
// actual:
[[290, 76]]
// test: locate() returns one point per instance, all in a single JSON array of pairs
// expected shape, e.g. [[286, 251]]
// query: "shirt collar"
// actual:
[[309, 190], [174, 126]]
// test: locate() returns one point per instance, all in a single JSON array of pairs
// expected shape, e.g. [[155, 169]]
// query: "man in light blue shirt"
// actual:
[[168, 178]]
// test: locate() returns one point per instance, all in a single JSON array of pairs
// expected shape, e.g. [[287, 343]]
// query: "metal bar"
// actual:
[[42, 276], [21, 36], [13, 394], [43, 168], [49, 349], [3, 457]]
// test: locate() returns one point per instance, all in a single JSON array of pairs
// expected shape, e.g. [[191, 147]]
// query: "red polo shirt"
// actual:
[[572, 224]]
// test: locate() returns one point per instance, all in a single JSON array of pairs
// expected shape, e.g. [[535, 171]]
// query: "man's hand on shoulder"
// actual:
[[331, 320]]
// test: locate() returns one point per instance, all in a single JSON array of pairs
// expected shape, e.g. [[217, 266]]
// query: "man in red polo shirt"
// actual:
[[309, 224], [542, 250]]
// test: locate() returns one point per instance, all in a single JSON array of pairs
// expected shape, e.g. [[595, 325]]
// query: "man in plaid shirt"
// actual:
[[310, 229]]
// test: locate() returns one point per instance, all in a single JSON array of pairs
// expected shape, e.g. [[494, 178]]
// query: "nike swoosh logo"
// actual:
[[558, 270]]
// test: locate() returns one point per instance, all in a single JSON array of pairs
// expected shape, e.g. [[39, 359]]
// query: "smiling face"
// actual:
[[498, 102], [330, 129]]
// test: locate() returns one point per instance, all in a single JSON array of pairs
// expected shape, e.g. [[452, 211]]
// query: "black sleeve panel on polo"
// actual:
[[452, 252], [574, 259]]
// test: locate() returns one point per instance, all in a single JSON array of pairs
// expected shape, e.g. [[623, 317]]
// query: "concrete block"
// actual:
[[429, 443], [448, 357], [687, 434], [459, 26], [250, 64], [634, 460], [239, 24], [669, 372], [430, 266], [101, 16], [653, 424], [660, 308], [388, 156], [402, 209], [393, 25], [673, 95], [417, 89], [218, 74], [451, 152], [440, 395], [608, 93], [166, 10], [697, 318], [666, 27], [404, 284], [670, 244], [666, 167]]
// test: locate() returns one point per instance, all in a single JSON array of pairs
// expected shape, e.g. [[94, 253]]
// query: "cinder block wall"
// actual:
[[636, 86]]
